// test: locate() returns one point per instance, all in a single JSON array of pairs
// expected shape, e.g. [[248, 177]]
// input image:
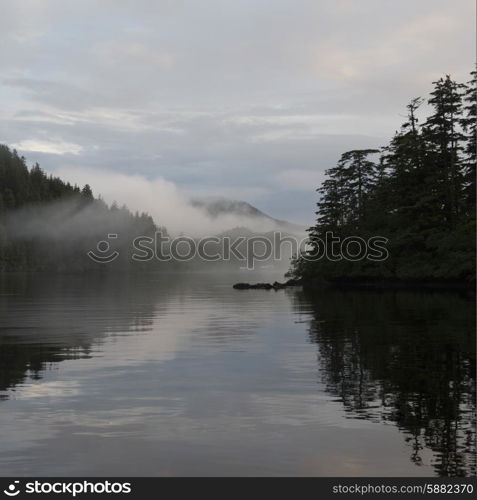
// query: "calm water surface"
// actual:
[[182, 375]]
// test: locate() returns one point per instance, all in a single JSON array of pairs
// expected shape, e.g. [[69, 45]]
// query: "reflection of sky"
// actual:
[[220, 382]]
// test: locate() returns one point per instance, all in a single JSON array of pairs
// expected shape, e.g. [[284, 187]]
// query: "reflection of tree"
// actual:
[[44, 320], [406, 358], [19, 361]]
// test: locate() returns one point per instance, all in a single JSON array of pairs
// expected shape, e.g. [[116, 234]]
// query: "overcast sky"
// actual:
[[247, 99]]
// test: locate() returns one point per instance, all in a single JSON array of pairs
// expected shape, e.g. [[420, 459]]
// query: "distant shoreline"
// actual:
[[390, 284]]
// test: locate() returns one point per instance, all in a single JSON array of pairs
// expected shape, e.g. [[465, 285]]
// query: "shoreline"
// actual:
[[438, 285], [393, 284]]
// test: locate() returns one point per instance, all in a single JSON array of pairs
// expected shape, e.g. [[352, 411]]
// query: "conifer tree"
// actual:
[[444, 140], [469, 125]]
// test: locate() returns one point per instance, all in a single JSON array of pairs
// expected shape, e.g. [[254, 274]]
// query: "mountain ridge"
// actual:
[[216, 207]]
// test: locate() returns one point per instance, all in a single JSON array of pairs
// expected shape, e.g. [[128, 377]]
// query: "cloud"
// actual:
[[169, 205], [220, 95], [299, 179], [133, 54], [55, 148]]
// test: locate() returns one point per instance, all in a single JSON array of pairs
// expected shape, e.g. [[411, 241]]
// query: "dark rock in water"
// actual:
[[242, 286], [256, 286], [266, 286], [262, 286]]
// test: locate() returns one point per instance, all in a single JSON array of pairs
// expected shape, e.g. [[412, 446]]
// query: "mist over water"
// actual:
[[65, 222], [69, 235], [61, 234]]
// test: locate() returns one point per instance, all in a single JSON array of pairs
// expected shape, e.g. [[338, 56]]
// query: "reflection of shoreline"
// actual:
[[69, 317], [406, 358], [63, 318], [193, 346], [391, 284]]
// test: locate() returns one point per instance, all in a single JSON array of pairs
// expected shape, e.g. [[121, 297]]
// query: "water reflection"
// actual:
[[182, 375], [406, 358], [48, 319], [45, 319]]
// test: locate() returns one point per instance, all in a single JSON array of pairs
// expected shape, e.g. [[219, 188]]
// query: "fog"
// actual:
[[63, 233], [168, 204], [65, 222]]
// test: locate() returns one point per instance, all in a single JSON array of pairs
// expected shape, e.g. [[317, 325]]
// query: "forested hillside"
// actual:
[[418, 192], [48, 224]]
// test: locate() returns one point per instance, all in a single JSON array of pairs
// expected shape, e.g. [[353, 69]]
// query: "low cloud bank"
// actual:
[[164, 201]]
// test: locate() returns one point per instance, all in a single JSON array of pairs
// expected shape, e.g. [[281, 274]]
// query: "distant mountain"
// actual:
[[248, 215]]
